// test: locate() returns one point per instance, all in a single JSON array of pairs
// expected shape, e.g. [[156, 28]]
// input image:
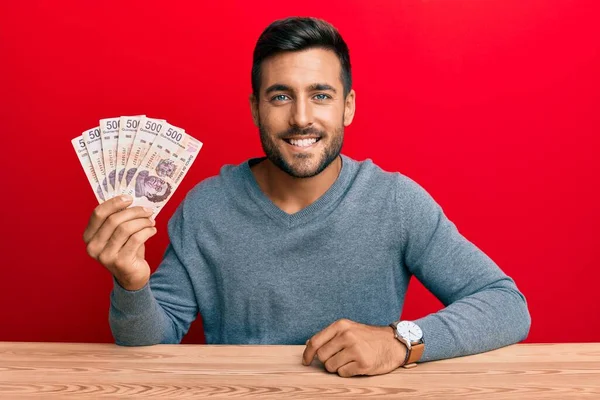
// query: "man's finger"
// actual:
[[103, 211], [321, 338], [116, 220], [136, 241], [339, 359], [338, 343], [350, 369], [124, 232]]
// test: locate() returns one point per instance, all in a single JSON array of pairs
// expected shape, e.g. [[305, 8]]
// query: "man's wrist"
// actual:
[[130, 286], [403, 353]]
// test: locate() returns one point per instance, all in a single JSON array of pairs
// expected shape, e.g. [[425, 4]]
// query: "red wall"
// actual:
[[491, 105]]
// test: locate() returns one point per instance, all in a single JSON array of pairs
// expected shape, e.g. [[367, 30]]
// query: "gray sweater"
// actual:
[[258, 275]]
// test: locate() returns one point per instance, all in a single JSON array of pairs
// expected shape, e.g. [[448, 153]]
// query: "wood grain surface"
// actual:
[[80, 370]]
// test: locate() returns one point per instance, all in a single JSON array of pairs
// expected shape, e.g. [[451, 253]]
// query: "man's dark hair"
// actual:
[[296, 34]]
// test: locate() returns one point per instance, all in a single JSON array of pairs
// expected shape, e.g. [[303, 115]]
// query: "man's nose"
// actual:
[[301, 113]]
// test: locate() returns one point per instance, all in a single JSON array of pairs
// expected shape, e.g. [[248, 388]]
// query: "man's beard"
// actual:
[[330, 153]]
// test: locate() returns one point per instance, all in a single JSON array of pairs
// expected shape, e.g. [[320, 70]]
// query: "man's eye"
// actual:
[[322, 96], [279, 97]]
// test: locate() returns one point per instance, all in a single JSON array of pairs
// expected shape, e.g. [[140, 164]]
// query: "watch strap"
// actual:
[[414, 355]]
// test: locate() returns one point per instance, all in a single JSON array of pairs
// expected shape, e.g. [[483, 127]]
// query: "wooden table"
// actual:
[[79, 370]]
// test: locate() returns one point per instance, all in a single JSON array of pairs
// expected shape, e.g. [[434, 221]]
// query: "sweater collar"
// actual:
[[319, 207]]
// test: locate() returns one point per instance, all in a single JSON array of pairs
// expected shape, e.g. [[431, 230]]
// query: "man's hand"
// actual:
[[115, 237], [350, 348]]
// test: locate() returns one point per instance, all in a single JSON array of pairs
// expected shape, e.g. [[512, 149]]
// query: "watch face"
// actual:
[[410, 331]]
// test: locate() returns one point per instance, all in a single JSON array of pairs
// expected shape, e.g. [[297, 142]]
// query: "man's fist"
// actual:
[[115, 237], [350, 348]]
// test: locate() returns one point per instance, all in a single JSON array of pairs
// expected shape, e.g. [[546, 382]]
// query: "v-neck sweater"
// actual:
[[258, 275]]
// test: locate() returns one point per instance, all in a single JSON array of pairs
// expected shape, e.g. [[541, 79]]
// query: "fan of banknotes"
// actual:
[[146, 158]]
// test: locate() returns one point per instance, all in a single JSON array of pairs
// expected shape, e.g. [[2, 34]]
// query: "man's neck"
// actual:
[[294, 194]]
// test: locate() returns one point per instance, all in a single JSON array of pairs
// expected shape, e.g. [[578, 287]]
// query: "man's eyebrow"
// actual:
[[321, 86], [279, 87]]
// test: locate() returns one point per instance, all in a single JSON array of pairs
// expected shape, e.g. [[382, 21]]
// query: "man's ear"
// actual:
[[254, 108], [349, 107]]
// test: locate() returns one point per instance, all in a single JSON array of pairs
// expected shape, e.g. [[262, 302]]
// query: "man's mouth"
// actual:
[[307, 142]]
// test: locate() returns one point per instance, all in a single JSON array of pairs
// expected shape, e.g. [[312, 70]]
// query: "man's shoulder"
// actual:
[[371, 174], [383, 183], [217, 187], [409, 198]]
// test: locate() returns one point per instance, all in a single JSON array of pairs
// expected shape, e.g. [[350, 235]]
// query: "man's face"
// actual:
[[301, 111], [155, 186]]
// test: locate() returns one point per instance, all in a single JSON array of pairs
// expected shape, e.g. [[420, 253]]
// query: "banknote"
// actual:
[[128, 127], [109, 134], [148, 130], [93, 144], [84, 158], [146, 158], [163, 168]]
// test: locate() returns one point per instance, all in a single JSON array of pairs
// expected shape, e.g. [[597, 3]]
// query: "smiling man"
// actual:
[[306, 245]]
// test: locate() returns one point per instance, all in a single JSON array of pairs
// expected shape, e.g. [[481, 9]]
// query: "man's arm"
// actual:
[[484, 310], [161, 311]]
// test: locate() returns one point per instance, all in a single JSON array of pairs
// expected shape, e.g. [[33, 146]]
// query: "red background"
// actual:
[[491, 105]]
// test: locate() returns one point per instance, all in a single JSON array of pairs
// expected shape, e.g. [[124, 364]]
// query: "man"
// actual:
[[306, 243]]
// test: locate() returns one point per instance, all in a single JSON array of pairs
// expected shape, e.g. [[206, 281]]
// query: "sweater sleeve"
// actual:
[[484, 310], [162, 311]]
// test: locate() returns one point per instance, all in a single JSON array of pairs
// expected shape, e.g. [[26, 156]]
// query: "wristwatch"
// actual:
[[411, 336]]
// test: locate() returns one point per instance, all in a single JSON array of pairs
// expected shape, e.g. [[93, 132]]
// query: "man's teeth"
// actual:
[[303, 142]]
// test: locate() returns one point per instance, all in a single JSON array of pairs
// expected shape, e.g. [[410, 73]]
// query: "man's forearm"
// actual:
[[494, 317], [137, 319]]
